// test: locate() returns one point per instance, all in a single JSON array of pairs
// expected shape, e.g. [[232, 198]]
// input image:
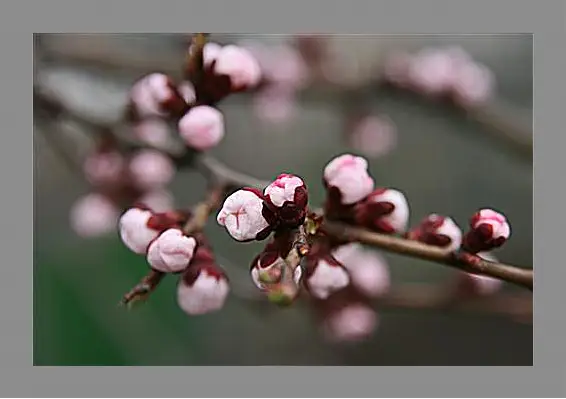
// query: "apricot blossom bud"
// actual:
[[171, 252], [242, 216], [135, 231], [373, 135], [93, 215], [287, 197], [438, 230], [368, 270], [351, 323], [105, 167], [239, 65], [202, 127], [385, 210], [152, 131], [155, 95], [431, 71], [325, 276], [151, 169], [349, 174], [489, 230], [473, 84], [203, 287]]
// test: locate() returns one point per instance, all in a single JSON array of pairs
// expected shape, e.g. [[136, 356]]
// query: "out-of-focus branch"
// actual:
[[463, 261]]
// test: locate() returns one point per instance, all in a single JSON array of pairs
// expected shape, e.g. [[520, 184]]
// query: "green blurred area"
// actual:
[[444, 163]]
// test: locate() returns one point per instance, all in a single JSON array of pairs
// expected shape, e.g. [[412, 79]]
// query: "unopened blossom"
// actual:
[[134, 230], [151, 169], [171, 252], [373, 135], [273, 104], [432, 71], [202, 127], [287, 196], [368, 270], [351, 323], [325, 277], [103, 168], [284, 66], [473, 85], [152, 131], [349, 174], [488, 229], [202, 289], [438, 230], [93, 215], [155, 95], [242, 216], [209, 52], [239, 65], [385, 210]]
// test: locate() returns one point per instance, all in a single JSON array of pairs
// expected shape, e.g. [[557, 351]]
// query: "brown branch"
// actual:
[[464, 262]]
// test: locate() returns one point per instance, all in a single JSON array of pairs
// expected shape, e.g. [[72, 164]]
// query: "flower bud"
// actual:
[[372, 135], [368, 270], [473, 84], [489, 230], [135, 231], [385, 210], [242, 216], [325, 276], [239, 65], [349, 174], [151, 169], [351, 323], [158, 200], [203, 287], [102, 168], [431, 71], [287, 197], [152, 131], [202, 127], [438, 230], [171, 252], [93, 215], [275, 105], [156, 95]]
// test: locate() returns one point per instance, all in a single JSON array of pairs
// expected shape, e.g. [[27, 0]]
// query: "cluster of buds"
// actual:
[[203, 286], [352, 197], [117, 181], [488, 231], [447, 72]]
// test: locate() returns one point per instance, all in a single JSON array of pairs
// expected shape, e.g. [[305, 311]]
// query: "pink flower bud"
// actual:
[[171, 252], [202, 127], [158, 200], [385, 210], [203, 289], [209, 52], [93, 215], [431, 71], [473, 84], [326, 277], [151, 169], [134, 230], [151, 93], [152, 131], [240, 65], [489, 229], [284, 66], [373, 136], [267, 269], [351, 323], [104, 168], [349, 174], [438, 230], [287, 198], [242, 216], [274, 105], [368, 270]]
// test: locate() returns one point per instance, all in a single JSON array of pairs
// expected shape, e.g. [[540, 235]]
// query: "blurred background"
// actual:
[[443, 159]]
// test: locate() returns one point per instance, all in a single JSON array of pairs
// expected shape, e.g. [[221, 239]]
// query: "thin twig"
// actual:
[[465, 262]]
